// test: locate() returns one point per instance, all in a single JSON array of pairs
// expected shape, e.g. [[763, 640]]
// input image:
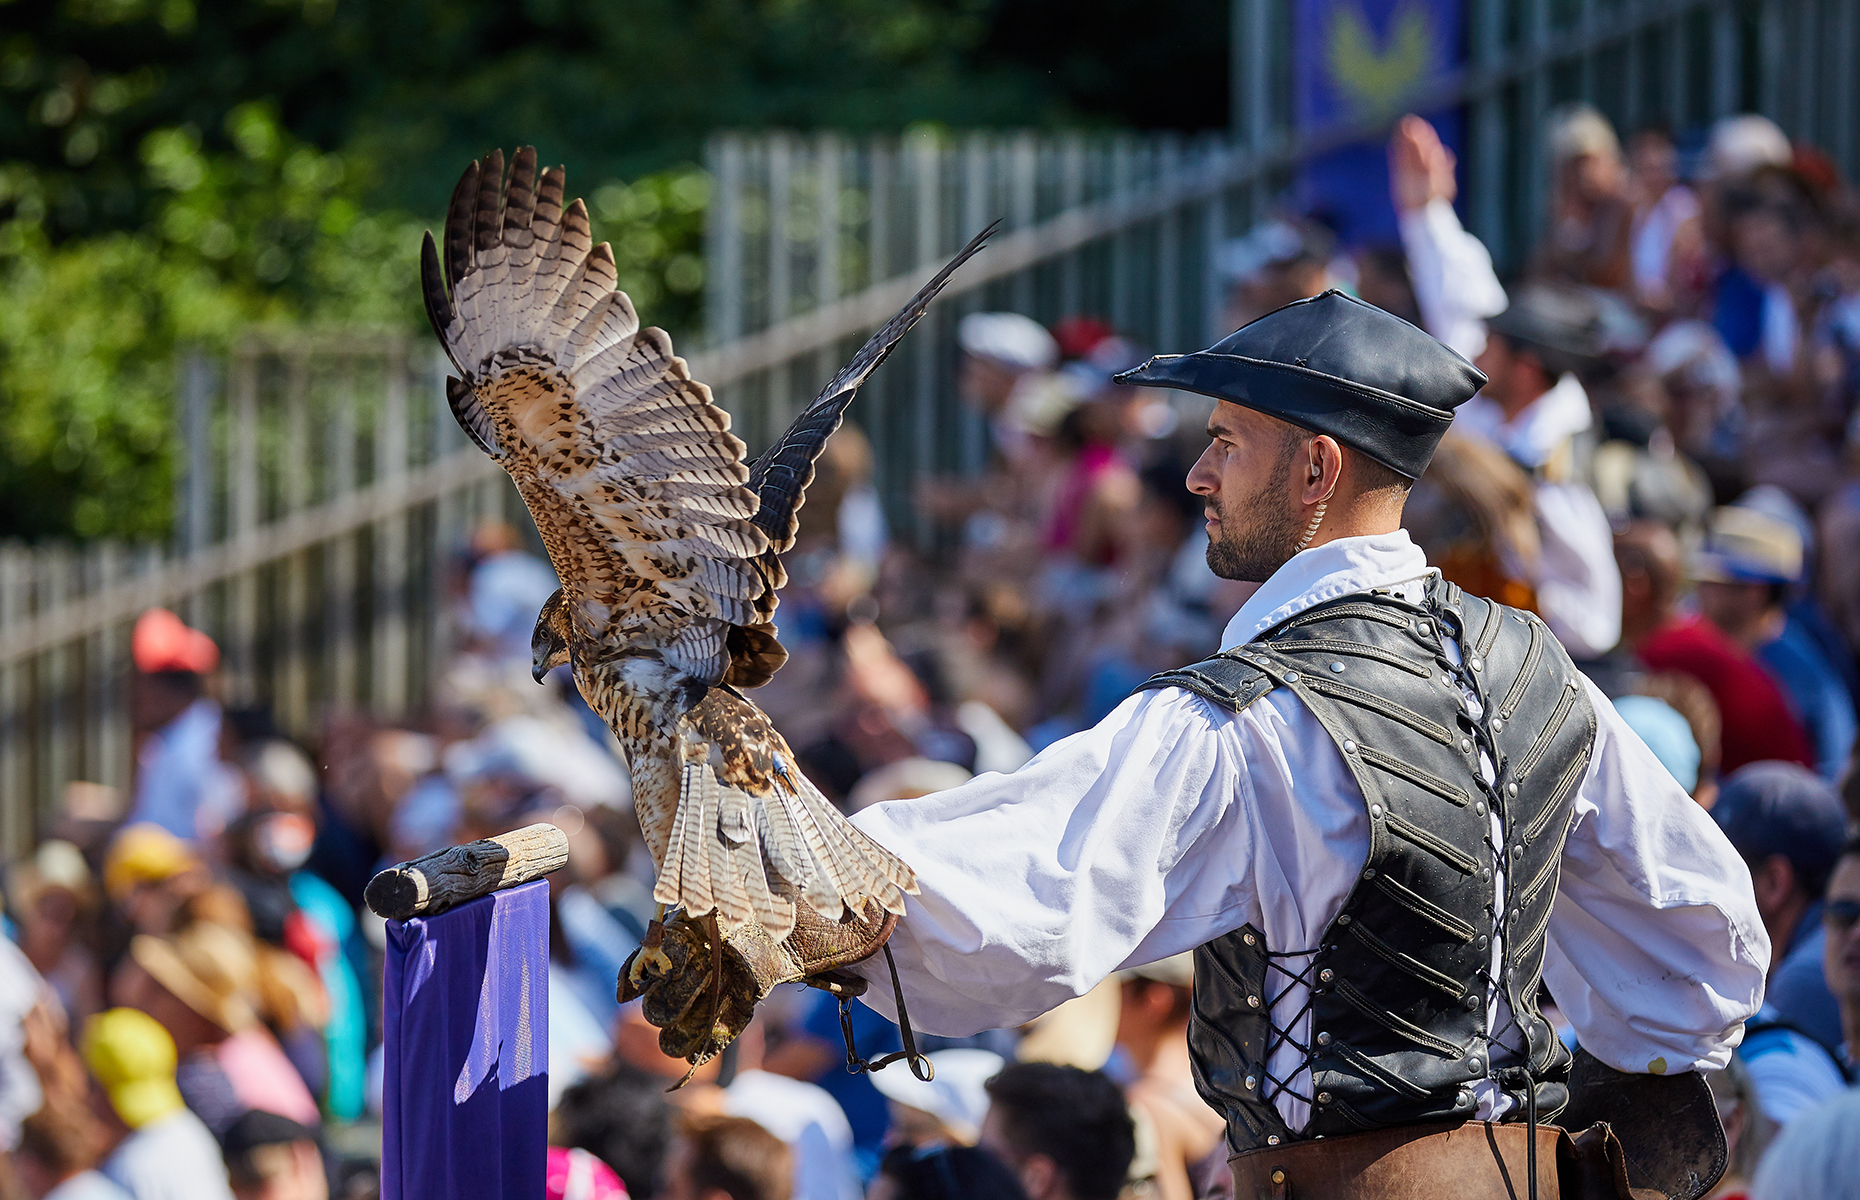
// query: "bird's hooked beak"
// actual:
[[549, 641]]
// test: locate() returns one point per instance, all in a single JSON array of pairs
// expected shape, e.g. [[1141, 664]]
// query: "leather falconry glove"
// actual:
[[707, 997]]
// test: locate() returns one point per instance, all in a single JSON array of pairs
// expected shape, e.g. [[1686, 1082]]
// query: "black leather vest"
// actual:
[[1400, 977]]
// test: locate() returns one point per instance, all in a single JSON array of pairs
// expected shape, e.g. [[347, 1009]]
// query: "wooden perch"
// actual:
[[456, 874]]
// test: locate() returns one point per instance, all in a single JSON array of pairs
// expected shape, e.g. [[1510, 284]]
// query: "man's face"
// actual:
[[1842, 962], [1733, 606], [985, 383], [1247, 480], [1039, 1178], [1513, 380]]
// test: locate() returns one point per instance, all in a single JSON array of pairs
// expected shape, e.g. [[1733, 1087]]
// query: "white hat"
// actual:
[[1581, 129], [1009, 339], [1740, 145], [956, 1095]]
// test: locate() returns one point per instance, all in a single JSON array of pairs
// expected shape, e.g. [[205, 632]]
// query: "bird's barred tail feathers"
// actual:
[[744, 855]]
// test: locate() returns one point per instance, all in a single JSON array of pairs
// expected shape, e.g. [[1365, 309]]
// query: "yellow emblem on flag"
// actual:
[[1376, 79]]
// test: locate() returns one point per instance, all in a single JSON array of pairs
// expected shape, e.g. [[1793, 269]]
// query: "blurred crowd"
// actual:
[[1665, 466]]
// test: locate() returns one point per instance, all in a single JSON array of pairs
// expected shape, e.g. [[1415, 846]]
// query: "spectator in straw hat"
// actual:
[[180, 783], [165, 1152], [1174, 1125], [201, 985]]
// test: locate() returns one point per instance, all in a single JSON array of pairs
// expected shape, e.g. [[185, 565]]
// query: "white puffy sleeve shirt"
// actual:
[[1173, 822]]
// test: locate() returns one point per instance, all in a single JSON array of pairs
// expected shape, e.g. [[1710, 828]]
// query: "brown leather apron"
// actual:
[[1476, 1160]]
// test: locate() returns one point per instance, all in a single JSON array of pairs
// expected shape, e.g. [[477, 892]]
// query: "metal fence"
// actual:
[[325, 487]]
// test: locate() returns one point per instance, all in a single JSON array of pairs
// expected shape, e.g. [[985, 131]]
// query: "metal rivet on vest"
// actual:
[[1349, 747], [1375, 810], [1323, 1097], [1498, 726], [1345, 919], [1272, 1139], [1482, 941], [1465, 1097], [1517, 851], [1475, 1062], [1323, 1039], [1485, 874], [1249, 1083], [1512, 790], [1477, 665], [1514, 914], [1336, 666], [1252, 1001], [1471, 1002], [1465, 743], [1370, 873], [1479, 808], [1291, 677], [1326, 975], [1249, 939]]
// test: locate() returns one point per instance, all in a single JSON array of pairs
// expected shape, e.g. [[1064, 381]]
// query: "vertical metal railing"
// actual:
[[321, 484]]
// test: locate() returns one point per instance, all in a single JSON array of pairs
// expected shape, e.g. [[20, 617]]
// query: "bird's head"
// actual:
[[550, 641]]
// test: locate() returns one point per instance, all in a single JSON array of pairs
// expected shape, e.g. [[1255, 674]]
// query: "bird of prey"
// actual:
[[665, 540]]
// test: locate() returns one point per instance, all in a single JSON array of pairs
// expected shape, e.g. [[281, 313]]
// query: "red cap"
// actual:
[[161, 642]]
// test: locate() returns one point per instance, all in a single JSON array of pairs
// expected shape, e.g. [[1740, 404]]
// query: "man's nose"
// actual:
[[1201, 480]]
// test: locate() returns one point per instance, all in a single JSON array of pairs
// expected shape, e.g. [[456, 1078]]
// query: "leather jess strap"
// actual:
[[1474, 1160]]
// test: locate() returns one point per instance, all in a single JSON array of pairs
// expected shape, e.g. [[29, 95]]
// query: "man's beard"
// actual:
[[1257, 536]]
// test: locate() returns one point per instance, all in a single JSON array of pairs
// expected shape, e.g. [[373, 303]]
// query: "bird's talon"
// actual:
[[649, 961]]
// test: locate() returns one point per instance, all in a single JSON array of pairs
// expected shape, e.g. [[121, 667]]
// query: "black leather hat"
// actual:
[[1333, 364], [1560, 323]]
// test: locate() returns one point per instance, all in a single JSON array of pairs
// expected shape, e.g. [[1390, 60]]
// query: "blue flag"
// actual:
[[1367, 60], [466, 1079]]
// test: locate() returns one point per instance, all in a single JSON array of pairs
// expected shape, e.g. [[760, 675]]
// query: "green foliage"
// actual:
[[173, 172], [271, 232]]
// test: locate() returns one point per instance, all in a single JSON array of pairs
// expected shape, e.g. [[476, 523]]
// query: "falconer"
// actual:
[[1385, 817]]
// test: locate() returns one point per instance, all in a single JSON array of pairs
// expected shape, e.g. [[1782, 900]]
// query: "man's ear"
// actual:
[[1322, 468], [1773, 880], [1039, 1175]]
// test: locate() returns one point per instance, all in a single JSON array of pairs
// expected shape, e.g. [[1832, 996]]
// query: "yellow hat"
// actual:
[[208, 967], [132, 1056], [144, 853]]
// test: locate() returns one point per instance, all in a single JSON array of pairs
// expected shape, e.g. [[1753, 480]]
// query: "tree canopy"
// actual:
[[175, 171]]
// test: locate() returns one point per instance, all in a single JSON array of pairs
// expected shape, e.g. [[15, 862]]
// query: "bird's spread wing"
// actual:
[[753, 837], [630, 471], [780, 474], [658, 532]]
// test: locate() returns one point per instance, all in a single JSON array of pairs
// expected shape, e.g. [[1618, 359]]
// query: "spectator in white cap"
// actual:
[[948, 1110], [999, 349], [1750, 561], [1175, 1128], [1590, 217], [1742, 145], [1276, 263]]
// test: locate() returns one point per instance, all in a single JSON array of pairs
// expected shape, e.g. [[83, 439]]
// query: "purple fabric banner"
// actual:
[[466, 1021]]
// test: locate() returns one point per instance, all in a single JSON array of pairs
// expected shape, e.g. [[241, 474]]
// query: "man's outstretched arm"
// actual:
[[1037, 885]]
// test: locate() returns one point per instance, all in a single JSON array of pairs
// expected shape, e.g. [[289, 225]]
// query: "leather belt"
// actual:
[[1472, 1160]]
